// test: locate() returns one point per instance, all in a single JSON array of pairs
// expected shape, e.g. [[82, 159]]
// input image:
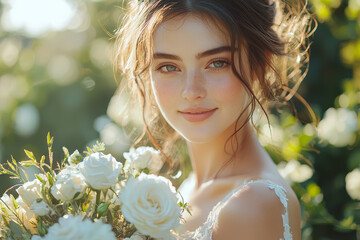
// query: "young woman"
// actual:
[[199, 69]]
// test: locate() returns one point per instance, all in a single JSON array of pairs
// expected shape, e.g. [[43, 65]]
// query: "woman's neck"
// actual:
[[208, 158]]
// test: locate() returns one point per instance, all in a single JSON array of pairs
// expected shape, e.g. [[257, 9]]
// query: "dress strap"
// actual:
[[204, 232], [280, 193]]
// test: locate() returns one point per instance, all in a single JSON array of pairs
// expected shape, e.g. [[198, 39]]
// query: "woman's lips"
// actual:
[[197, 115]]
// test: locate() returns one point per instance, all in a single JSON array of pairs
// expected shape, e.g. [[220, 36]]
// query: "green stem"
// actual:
[[74, 207], [98, 195], [97, 203]]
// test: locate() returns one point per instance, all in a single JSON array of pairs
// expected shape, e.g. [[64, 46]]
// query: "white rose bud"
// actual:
[[150, 203], [140, 157], [40, 208], [30, 191], [6, 203], [69, 182], [352, 180], [293, 171], [75, 158], [100, 171]]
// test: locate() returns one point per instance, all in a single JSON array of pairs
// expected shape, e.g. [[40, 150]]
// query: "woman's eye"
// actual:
[[168, 68], [218, 64]]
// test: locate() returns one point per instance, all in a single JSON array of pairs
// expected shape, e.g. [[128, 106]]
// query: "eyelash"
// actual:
[[165, 65], [222, 60]]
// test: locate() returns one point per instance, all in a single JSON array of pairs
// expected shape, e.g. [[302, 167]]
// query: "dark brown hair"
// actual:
[[273, 34]]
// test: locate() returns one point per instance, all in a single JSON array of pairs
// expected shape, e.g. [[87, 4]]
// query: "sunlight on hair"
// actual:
[[37, 16]]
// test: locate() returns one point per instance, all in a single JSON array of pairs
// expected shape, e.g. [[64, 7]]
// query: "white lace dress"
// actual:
[[204, 232]]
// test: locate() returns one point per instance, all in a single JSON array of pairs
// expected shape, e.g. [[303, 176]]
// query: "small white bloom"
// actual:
[[352, 180], [150, 203], [30, 191], [7, 200], [271, 135], [69, 182], [293, 171], [338, 127], [115, 196], [73, 227], [40, 208], [100, 171], [6, 203], [140, 157], [74, 158]]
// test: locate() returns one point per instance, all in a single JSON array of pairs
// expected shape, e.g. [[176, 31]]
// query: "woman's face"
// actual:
[[192, 81]]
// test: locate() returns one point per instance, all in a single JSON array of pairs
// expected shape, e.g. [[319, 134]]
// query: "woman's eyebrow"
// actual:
[[198, 56], [213, 51]]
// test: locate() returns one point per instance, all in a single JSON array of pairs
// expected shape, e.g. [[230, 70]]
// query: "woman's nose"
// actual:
[[194, 88]]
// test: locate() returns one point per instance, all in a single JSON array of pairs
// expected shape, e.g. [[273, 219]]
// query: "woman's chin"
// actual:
[[198, 138]]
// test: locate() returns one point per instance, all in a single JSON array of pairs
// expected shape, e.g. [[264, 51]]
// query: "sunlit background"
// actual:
[[56, 76]]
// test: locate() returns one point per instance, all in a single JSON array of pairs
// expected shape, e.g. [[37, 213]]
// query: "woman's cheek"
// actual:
[[227, 88], [165, 91]]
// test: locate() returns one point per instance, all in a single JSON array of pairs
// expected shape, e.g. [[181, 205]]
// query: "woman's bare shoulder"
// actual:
[[254, 212]]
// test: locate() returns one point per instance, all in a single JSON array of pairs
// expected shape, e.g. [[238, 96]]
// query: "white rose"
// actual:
[[100, 171], [30, 191], [69, 182], [26, 215], [40, 208], [140, 157], [150, 203], [73, 227], [352, 180], [338, 127], [75, 158], [293, 171]]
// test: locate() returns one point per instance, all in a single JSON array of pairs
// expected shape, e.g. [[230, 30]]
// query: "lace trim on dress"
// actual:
[[204, 232]]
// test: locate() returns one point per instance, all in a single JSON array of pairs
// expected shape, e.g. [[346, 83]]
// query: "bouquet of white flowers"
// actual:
[[90, 196]]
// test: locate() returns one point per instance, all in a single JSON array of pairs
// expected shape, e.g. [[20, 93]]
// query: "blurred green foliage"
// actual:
[[62, 81]]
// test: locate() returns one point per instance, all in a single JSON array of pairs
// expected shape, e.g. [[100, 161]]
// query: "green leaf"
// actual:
[[347, 223], [89, 150], [26, 165], [50, 140], [66, 152], [25, 174], [16, 229], [40, 179], [14, 161], [103, 208], [51, 180], [15, 203], [42, 160], [27, 236], [30, 155], [11, 166]]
